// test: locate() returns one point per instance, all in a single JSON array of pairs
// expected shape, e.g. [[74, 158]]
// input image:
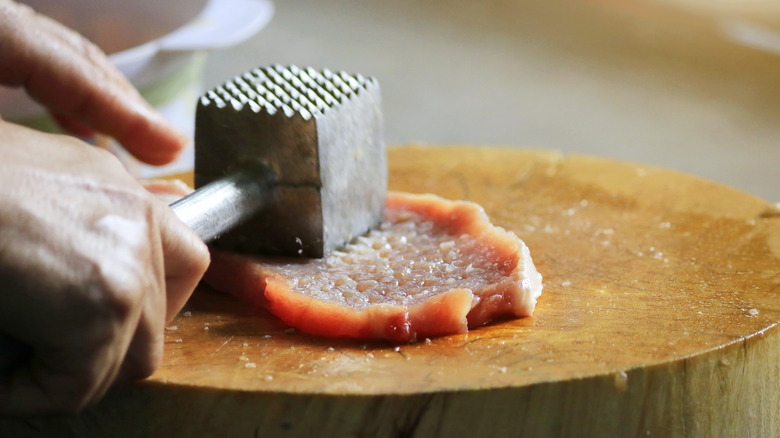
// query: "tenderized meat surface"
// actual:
[[434, 267]]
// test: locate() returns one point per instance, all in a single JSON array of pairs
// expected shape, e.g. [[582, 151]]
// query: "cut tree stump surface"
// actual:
[[658, 318]]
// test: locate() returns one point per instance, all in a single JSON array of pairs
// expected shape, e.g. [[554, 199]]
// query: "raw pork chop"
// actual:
[[434, 267]]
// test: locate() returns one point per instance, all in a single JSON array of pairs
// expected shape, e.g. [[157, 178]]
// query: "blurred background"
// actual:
[[691, 85]]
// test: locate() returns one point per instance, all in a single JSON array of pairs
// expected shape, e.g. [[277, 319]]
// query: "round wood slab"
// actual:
[[658, 318]]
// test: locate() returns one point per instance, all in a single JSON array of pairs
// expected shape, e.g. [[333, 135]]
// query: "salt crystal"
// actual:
[[173, 327], [243, 358], [268, 378], [447, 245], [187, 313], [566, 283], [250, 365], [753, 312], [205, 328]]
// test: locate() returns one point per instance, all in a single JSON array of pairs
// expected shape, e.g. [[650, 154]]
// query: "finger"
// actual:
[[145, 351], [186, 260], [72, 77], [87, 87]]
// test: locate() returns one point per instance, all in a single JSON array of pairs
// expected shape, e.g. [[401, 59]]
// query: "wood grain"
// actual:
[[659, 318]]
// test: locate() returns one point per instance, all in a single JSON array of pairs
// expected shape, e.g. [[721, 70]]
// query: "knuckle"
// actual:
[[105, 302], [119, 290], [120, 263]]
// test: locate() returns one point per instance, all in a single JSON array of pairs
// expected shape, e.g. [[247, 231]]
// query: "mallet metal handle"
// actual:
[[224, 203]]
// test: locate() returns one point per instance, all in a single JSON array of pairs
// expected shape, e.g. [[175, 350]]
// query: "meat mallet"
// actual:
[[289, 161]]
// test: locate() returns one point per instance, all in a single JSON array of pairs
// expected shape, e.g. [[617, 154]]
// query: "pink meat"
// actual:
[[434, 267]]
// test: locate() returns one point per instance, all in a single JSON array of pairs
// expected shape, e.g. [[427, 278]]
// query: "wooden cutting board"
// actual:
[[658, 318]]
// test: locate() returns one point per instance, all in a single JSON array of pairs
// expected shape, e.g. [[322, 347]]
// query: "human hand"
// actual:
[[77, 83], [91, 268]]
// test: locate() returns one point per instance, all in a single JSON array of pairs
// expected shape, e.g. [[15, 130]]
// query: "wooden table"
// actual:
[[658, 318]]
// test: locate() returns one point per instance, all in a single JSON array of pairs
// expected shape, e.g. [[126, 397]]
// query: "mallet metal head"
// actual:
[[321, 134]]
